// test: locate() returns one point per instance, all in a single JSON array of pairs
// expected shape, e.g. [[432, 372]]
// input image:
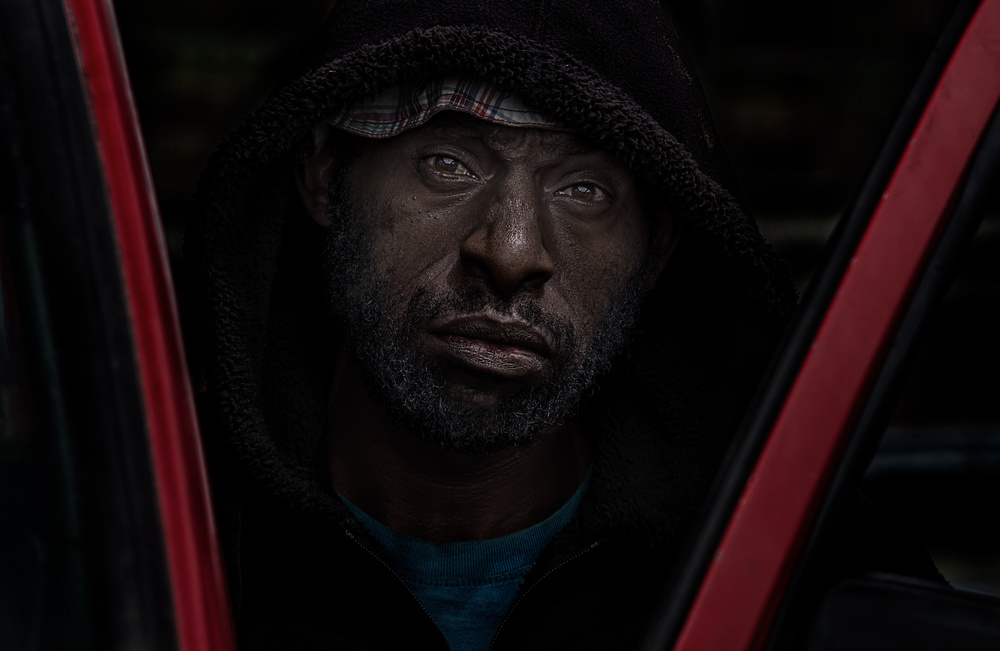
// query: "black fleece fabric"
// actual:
[[303, 574]]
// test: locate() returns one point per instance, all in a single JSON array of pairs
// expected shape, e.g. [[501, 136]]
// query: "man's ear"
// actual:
[[312, 178]]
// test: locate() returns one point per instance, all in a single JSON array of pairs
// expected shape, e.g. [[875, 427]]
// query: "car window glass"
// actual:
[[13, 420], [933, 481], [82, 560], [42, 585], [938, 467]]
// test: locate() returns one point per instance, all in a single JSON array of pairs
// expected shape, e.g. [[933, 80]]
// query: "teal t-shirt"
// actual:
[[468, 587]]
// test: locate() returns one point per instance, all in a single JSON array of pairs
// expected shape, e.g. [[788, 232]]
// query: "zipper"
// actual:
[[527, 591], [371, 552]]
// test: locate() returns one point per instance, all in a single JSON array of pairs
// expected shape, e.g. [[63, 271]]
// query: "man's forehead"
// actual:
[[453, 126]]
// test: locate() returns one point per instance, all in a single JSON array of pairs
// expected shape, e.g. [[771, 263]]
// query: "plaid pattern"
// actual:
[[398, 109]]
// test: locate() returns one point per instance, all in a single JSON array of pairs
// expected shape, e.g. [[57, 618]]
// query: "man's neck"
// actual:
[[440, 495]]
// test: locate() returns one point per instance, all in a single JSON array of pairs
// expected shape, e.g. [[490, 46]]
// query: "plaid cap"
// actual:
[[400, 108]]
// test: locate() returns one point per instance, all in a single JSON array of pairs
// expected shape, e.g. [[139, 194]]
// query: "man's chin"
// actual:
[[475, 398], [472, 419], [480, 391]]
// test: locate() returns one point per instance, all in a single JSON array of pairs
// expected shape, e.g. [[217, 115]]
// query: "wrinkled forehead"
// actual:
[[460, 127]]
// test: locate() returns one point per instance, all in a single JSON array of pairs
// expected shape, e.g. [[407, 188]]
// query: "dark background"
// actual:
[[803, 94]]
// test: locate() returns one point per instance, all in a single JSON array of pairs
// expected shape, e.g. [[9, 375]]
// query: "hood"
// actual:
[[615, 73]]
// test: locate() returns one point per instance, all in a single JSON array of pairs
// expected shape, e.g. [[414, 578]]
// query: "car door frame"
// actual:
[[731, 586]]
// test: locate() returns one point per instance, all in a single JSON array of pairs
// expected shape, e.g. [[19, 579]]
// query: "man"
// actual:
[[483, 315]]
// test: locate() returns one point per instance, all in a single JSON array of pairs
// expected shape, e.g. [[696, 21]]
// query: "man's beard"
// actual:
[[413, 391]]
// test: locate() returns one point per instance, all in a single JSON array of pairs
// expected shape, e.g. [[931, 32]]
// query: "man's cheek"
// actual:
[[407, 253], [589, 289], [404, 277]]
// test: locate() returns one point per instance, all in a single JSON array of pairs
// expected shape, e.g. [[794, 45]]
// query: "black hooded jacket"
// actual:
[[303, 573]]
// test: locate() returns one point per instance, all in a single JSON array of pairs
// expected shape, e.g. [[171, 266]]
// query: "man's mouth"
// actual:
[[508, 349]]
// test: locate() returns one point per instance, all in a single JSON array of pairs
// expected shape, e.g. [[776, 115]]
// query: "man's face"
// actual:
[[485, 274]]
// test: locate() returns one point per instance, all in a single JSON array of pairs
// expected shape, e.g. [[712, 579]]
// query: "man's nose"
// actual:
[[507, 248]]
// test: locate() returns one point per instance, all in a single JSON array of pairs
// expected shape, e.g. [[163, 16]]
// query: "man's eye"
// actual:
[[449, 165], [588, 192]]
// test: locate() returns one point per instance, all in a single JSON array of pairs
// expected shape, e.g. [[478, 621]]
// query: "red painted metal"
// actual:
[[735, 605], [199, 593]]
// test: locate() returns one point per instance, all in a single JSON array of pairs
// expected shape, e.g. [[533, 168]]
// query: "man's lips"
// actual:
[[505, 348]]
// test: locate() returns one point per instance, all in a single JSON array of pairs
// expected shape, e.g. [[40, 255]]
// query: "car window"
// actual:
[[938, 466], [930, 489], [807, 417], [928, 434], [82, 560], [42, 584]]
